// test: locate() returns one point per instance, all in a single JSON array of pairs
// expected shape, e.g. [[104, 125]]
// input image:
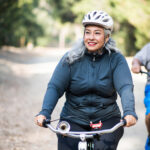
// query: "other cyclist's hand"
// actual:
[[136, 68], [39, 120], [130, 120]]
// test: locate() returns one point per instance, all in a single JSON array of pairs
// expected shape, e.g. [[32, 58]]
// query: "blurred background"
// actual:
[[58, 23], [34, 34]]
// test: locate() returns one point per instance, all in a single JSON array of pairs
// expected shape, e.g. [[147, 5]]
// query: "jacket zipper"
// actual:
[[94, 58]]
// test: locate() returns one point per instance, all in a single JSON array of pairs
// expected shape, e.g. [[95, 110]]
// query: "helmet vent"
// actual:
[[94, 13], [97, 17], [106, 20], [89, 17]]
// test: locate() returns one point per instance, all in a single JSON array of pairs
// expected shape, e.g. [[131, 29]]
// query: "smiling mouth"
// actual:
[[92, 43]]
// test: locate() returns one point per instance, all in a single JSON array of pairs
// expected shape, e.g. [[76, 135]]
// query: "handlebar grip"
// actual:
[[124, 122], [141, 71], [45, 122], [148, 73]]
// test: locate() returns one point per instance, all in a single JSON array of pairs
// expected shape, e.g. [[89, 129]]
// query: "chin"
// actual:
[[92, 49]]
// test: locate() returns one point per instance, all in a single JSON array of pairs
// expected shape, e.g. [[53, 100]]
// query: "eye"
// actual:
[[97, 33], [87, 32]]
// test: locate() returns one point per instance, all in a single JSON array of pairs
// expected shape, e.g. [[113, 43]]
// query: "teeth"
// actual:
[[92, 43]]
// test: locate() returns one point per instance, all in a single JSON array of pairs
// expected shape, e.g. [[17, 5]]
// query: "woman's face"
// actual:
[[94, 37]]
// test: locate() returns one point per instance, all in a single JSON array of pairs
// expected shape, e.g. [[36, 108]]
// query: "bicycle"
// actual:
[[85, 142]]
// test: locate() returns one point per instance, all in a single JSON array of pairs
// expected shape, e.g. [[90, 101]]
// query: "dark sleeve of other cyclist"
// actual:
[[124, 85]]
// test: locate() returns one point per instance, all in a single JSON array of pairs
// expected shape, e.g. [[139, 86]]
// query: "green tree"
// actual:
[[7, 9], [62, 10], [17, 22], [133, 19]]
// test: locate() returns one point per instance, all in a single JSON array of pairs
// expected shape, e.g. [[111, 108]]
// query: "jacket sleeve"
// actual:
[[143, 55], [56, 87], [124, 85]]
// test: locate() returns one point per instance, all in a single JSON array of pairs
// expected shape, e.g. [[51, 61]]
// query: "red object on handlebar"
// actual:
[[96, 126]]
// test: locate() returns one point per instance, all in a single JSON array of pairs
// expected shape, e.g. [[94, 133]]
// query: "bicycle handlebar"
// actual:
[[148, 73], [64, 129]]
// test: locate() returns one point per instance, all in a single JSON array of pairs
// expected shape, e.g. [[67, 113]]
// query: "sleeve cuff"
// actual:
[[131, 113], [45, 113]]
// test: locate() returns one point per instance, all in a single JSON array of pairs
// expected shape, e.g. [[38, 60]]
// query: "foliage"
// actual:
[[18, 24], [84, 6], [62, 9], [6, 19], [133, 18], [43, 22]]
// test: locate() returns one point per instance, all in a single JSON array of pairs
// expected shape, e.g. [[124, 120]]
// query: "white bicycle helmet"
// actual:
[[98, 18]]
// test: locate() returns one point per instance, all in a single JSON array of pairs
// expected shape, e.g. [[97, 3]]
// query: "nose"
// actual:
[[91, 37]]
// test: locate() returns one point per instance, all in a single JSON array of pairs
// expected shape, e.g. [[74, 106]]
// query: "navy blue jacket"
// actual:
[[91, 85]]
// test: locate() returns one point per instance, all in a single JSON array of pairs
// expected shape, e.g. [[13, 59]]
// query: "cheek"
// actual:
[[84, 39], [101, 39]]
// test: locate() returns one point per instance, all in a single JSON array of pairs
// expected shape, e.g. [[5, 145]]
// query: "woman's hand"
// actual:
[[131, 120], [39, 120]]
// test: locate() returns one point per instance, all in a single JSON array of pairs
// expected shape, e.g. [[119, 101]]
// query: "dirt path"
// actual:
[[23, 81]]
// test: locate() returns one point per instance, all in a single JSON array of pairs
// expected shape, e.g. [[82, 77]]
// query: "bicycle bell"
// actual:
[[63, 127]]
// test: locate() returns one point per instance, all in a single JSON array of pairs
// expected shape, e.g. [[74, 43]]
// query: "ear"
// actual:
[[107, 38]]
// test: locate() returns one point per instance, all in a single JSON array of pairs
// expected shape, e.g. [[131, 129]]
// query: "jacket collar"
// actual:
[[95, 54]]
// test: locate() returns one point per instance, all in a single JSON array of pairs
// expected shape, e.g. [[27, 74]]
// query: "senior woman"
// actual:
[[91, 75]]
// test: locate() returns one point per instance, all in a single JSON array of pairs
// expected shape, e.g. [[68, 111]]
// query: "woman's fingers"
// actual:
[[39, 120], [131, 120]]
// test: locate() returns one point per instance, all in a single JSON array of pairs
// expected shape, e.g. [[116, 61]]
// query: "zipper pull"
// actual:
[[94, 58]]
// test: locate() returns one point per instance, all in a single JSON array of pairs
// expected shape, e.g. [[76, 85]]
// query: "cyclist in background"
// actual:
[[91, 75], [142, 58]]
